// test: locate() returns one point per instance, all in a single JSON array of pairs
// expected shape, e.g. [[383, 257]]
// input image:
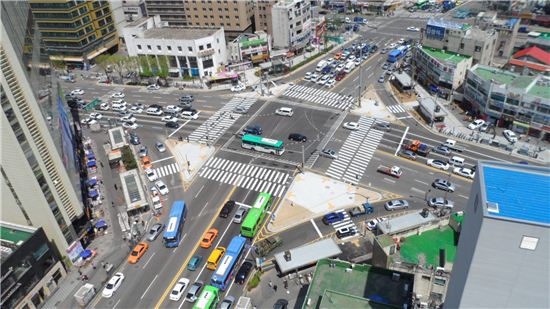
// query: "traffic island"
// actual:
[[312, 195], [190, 157]]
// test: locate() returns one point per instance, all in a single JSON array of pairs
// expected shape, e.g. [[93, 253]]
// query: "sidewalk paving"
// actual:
[[371, 106], [190, 156], [312, 195]]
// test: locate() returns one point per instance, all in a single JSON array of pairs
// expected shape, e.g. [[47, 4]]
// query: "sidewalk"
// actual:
[[312, 195]]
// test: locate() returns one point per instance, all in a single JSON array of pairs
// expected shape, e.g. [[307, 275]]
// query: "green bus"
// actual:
[[263, 144], [208, 299], [256, 215]]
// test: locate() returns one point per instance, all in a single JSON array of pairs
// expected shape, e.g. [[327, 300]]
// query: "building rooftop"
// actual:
[[443, 56], [536, 53], [404, 223], [516, 192], [448, 24], [533, 85], [14, 235], [307, 255], [339, 284], [178, 33]]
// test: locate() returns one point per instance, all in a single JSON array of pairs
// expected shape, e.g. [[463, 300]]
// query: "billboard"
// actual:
[[435, 32]]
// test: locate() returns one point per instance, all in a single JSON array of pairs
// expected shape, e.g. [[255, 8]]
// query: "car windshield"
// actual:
[[109, 286], [135, 253]]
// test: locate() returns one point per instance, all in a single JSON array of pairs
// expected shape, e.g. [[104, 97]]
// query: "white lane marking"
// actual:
[[200, 190], [401, 142], [116, 304], [316, 228], [149, 260], [463, 196], [389, 180], [200, 214], [163, 159], [150, 284], [422, 182], [176, 130], [417, 190]]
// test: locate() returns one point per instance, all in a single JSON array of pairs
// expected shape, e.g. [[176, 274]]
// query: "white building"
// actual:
[[292, 23], [194, 52]]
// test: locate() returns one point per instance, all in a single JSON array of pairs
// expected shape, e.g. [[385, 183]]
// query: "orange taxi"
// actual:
[[138, 252], [146, 161], [208, 238]]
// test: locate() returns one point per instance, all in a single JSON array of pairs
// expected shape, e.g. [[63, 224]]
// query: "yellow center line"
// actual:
[[192, 252]]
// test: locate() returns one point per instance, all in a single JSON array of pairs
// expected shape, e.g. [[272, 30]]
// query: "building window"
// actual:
[[461, 45], [149, 47], [477, 49], [139, 47], [529, 243], [169, 48], [217, 40], [190, 48], [208, 45], [159, 48], [180, 49], [201, 47]]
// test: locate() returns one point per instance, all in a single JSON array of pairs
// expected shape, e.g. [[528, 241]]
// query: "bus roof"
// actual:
[[252, 216], [226, 261], [207, 297], [262, 199], [395, 52], [236, 245], [178, 207], [262, 140]]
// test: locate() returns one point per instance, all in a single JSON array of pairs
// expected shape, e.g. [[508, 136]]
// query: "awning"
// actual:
[[86, 253], [93, 194], [521, 124], [91, 156], [91, 164], [100, 224], [92, 182]]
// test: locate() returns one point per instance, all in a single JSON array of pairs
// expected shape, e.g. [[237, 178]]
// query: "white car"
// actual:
[[136, 109], [169, 119], [440, 202], [163, 189], [104, 106], [128, 118], [113, 284], [153, 87], [323, 79], [415, 29], [154, 111], [351, 126], [330, 83], [172, 109], [510, 136], [438, 164], [88, 121], [372, 224], [151, 175], [178, 289], [392, 45], [285, 111], [476, 124], [314, 77], [238, 88], [464, 172], [129, 125], [77, 92], [189, 115], [96, 116], [118, 95], [401, 41], [308, 76]]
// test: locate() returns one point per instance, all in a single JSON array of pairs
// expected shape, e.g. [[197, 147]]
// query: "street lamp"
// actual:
[[426, 195]]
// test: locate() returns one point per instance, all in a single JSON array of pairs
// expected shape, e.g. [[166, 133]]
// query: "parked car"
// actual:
[[510, 136], [373, 224], [396, 205], [464, 172], [444, 185], [440, 202], [408, 154], [281, 304], [297, 137], [476, 124], [143, 151], [155, 231], [153, 87]]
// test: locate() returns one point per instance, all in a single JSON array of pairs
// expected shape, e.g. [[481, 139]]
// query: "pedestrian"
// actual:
[[93, 265], [79, 272], [275, 288], [116, 188], [103, 265], [270, 284], [101, 163]]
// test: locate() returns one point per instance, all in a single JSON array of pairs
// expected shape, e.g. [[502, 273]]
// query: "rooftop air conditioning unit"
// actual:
[[287, 256]]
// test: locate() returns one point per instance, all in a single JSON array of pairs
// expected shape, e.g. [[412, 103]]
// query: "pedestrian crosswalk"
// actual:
[[167, 170], [246, 176], [356, 152], [319, 96], [396, 109], [346, 222], [215, 126]]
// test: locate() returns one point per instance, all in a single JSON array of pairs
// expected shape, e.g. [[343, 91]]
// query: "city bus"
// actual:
[[263, 144], [209, 298], [223, 273], [397, 53], [174, 227], [256, 215]]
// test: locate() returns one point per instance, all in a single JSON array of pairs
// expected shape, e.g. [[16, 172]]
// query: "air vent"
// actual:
[[492, 207]]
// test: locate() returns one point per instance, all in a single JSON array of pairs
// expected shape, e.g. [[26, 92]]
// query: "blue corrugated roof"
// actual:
[[521, 194]]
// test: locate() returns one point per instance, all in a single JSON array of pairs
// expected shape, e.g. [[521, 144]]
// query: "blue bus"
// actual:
[[221, 276], [397, 53], [174, 227]]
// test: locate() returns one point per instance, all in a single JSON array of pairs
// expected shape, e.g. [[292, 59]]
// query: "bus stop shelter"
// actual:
[[117, 138], [133, 192], [300, 257]]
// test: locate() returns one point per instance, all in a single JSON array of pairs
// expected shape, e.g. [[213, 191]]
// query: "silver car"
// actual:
[[194, 292], [239, 215], [227, 302], [329, 153], [440, 202], [443, 184], [396, 205], [155, 231]]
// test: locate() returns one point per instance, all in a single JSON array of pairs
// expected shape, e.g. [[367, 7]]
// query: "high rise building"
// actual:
[[262, 15], [38, 161], [31, 266], [76, 31], [235, 16], [503, 251]]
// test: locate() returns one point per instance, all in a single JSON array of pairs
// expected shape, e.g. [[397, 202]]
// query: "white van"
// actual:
[[285, 111], [321, 65], [349, 67], [119, 107], [456, 161]]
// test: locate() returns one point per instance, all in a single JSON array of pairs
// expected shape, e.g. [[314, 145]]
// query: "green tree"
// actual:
[[128, 158], [163, 72], [119, 64], [145, 68], [104, 61]]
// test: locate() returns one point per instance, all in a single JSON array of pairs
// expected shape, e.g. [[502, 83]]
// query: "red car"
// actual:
[[340, 76]]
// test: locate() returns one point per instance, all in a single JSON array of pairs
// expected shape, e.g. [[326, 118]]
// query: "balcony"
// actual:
[[207, 52]]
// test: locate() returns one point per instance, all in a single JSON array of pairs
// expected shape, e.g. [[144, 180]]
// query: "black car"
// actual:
[[187, 98], [345, 232], [243, 272], [172, 124], [134, 139], [155, 106], [297, 137], [255, 129], [227, 209], [281, 304], [188, 109]]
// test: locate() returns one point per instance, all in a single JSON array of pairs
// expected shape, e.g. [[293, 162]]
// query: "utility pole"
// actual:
[[360, 78], [303, 157]]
